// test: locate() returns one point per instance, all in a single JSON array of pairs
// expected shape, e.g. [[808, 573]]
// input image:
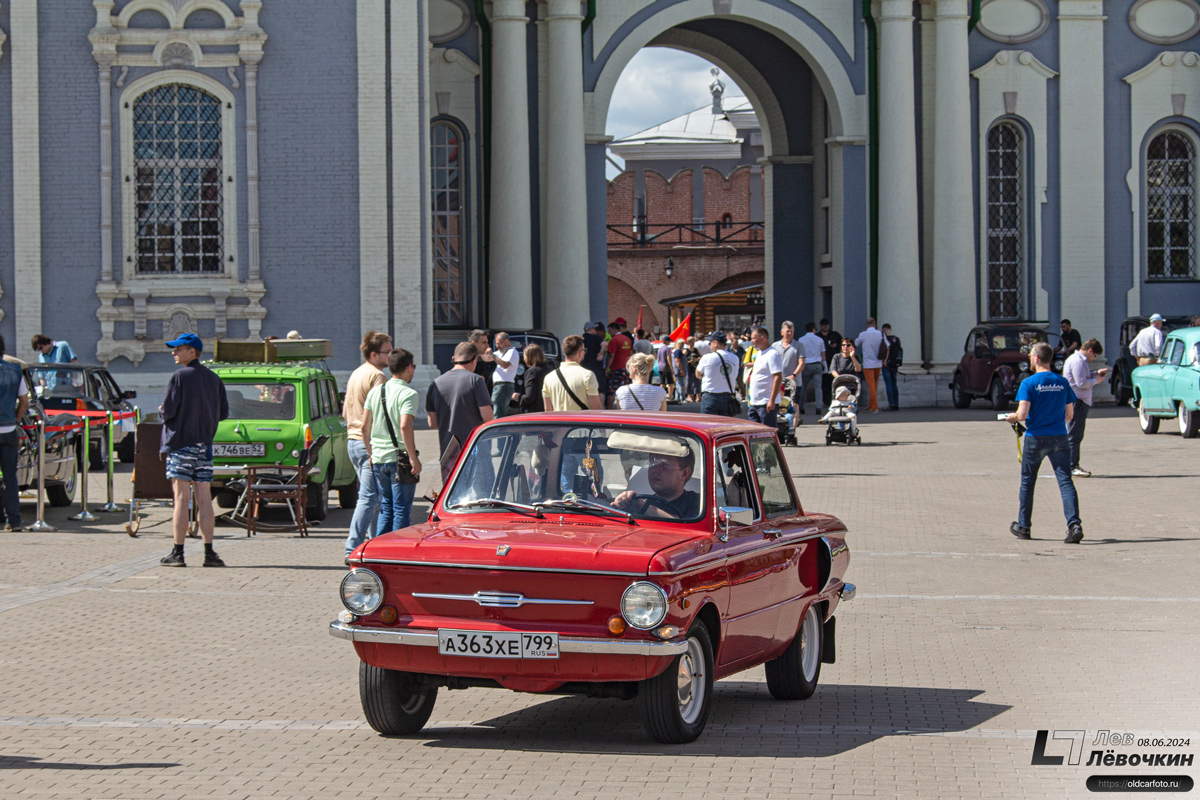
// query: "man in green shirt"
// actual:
[[393, 402]]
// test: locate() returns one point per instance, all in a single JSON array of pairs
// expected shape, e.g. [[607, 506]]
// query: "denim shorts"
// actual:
[[193, 463]]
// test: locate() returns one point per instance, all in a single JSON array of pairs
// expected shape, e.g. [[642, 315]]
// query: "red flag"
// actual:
[[639, 325], [684, 330]]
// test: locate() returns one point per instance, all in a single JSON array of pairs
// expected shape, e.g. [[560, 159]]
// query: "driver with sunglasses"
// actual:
[[668, 478]]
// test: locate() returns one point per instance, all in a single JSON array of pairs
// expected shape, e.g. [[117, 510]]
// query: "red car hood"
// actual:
[[589, 545]]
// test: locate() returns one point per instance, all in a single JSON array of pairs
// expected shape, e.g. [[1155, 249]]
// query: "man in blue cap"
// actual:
[[193, 405]]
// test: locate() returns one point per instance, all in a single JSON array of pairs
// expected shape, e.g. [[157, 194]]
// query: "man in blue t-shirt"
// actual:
[[1045, 403]]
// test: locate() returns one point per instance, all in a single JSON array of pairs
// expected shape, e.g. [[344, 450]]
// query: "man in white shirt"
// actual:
[[1147, 345], [1082, 379], [717, 372], [812, 360], [868, 344], [505, 377], [766, 378]]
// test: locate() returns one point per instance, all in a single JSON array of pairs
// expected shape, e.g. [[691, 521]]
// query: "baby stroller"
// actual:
[[785, 419], [842, 418]]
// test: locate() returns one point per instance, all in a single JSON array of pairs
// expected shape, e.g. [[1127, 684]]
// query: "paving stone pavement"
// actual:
[[126, 680]]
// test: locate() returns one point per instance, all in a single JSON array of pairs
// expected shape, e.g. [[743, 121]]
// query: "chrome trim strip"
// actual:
[[848, 591], [356, 633], [499, 568], [503, 599], [712, 562]]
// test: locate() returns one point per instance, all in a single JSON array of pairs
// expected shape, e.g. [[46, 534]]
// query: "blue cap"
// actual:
[[187, 340]]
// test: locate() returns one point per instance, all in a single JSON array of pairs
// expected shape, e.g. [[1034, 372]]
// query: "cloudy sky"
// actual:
[[660, 84]]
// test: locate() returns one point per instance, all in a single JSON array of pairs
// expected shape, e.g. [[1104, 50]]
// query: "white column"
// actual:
[[899, 300], [510, 245], [372, 177], [1081, 165], [26, 172], [954, 306], [566, 265]]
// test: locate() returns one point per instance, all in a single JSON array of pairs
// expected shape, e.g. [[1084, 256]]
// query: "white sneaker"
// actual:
[[1080, 473]]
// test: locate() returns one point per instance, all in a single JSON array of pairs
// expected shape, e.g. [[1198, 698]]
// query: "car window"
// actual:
[[327, 402], [275, 401], [58, 382], [979, 341], [1176, 354], [110, 385], [334, 398], [772, 480], [314, 400], [734, 487]]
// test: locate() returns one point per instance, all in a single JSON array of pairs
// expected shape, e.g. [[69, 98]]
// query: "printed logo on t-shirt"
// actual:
[[1049, 387]]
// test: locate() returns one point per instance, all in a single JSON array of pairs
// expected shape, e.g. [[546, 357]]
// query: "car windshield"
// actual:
[[63, 381], [1017, 340], [643, 473], [261, 400]]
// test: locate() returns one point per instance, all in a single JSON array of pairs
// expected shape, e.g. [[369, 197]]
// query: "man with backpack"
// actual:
[[571, 386], [873, 347], [895, 360]]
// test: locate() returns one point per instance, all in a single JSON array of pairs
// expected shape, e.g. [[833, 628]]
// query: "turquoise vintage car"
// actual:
[[1171, 388]]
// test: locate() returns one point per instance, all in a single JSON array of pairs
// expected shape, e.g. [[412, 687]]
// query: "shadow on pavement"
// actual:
[[744, 721], [1147, 540], [26, 762]]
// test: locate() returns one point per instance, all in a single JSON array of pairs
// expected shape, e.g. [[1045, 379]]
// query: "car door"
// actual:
[[1187, 371], [980, 363], [1171, 369]]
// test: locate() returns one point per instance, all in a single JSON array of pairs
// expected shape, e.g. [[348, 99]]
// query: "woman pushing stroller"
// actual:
[[842, 417]]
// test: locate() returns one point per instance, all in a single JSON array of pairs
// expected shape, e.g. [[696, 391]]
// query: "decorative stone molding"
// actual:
[[180, 55], [448, 20], [3, 39], [1165, 21], [1014, 21]]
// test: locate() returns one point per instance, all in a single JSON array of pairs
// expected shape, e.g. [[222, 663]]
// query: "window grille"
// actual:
[[449, 306], [177, 166], [1170, 207], [1005, 220]]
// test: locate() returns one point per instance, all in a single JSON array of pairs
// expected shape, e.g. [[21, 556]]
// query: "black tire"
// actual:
[[98, 455], [666, 715], [394, 703], [1189, 421], [958, 393], [226, 499], [794, 674], [125, 450], [318, 501], [997, 396], [1122, 391], [1148, 423], [348, 495], [61, 495]]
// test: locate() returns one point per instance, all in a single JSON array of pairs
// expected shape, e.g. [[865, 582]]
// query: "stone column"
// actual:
[[1081, 166], [899, 300], [566, 266], [26, 172], [510, 246], [954, 275]]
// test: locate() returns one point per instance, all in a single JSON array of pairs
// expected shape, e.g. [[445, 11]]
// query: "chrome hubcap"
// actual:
[[689, 682], [809, 652], [1185, 419]]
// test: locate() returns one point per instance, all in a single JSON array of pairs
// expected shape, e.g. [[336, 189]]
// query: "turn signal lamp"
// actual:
[[616, 626], [666, 632], [308, 437], [80, 405], [388, 615]]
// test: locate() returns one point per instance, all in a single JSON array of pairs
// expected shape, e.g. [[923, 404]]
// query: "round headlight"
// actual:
[[1024, 367], [362, 591], [644, 605]]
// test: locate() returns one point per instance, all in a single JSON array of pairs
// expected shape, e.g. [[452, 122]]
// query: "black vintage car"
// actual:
[[544, 340], [64, 449], [1121, 376], [78, 387], [996, 360]]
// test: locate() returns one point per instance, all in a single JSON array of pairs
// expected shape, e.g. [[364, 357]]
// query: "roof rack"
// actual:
[[273, 351]]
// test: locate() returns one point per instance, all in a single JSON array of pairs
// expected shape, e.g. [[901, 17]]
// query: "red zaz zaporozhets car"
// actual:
[[626, 555]]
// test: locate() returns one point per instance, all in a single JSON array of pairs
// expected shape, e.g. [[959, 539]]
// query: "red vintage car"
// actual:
[[616, 554]]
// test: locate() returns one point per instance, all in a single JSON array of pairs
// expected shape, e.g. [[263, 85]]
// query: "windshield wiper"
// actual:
[[492, 502], [589, 506]]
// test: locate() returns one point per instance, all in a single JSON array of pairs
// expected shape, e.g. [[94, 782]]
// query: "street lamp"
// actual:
[[670, 266]]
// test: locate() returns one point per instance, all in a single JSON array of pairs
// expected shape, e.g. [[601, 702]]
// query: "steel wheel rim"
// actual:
[[689, 682], [810, 655], [1143, 417], [1185, 418]]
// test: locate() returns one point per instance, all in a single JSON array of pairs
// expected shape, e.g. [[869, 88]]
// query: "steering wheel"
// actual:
[[648, 500]]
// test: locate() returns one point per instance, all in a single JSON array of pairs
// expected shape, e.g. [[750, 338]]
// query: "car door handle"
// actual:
[[772, 533]]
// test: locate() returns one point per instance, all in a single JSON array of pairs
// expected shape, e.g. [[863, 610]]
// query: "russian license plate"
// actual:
[[238, 450], [497, 644]]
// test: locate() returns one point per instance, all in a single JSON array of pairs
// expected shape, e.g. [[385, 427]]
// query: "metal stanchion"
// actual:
[[110, 505], [84, 515], [41, 525]]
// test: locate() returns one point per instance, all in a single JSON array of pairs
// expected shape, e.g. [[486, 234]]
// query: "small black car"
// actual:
[[1121, 376], [78, 387]]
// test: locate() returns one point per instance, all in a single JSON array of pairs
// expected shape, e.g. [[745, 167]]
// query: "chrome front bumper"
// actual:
[[355, 633]]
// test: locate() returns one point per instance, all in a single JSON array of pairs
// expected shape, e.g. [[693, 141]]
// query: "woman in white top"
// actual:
[[641, 395]]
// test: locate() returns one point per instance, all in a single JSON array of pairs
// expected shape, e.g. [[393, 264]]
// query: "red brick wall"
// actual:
[[669, 201], [730, 196], [620, 206], [624, 300]]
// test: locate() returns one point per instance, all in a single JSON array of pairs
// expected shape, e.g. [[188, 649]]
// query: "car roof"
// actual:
[[300, 371], [1009, 326], [62, 365], [1187, 334], [709, 425]]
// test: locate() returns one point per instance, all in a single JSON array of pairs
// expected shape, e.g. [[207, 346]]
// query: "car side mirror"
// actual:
[[981, 351], [129, 394], [733, 516]]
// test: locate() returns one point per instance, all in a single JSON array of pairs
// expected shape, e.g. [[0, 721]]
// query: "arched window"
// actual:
[[178, 191], [449, 257], [1005, 220], [727, 220], [1170, 206]]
